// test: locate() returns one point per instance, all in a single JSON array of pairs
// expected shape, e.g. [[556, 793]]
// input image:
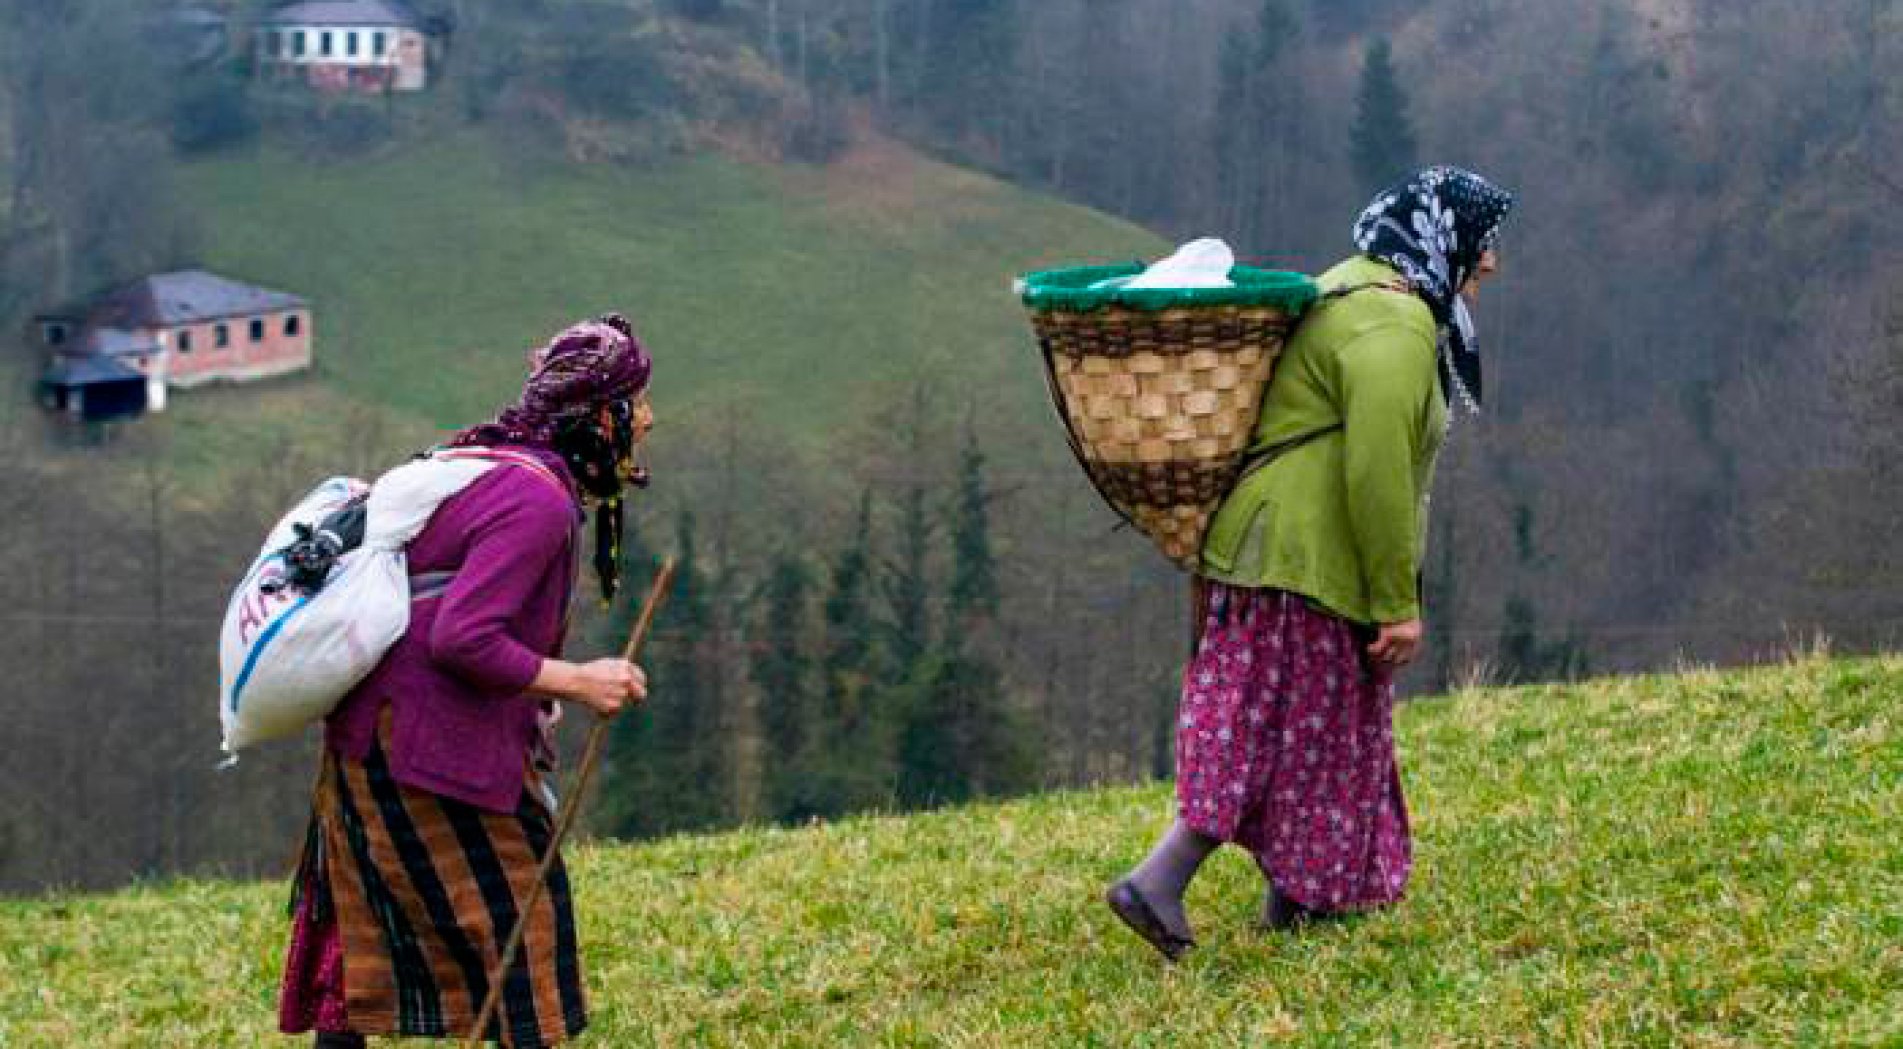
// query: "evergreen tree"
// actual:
[[1251, 139], [792, 723], [1238, 133], [1524, 656], [849, 624], [1382, 142], [974, 583], [669, 771], [907, 588], [931, 753], [631, 737], [857, 767], [964, 50], [962, 739]]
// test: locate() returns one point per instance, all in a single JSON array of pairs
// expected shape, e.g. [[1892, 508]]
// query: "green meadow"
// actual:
[[785, 300], [1708, 859]]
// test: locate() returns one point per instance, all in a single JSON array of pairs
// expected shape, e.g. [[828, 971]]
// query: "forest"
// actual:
[[1695, 375]]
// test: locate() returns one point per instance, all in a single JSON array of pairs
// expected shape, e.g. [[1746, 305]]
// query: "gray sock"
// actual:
[[1166, 873]]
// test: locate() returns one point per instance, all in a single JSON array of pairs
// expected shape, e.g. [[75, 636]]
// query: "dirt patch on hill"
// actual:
[[882, 179]]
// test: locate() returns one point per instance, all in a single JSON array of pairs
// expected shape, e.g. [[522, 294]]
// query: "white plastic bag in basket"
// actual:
[[1201, 263]]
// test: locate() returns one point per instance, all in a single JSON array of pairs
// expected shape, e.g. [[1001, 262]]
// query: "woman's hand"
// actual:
[[604, 686], [1397, 644]]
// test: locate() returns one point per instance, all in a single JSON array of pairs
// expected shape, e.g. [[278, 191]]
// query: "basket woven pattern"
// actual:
[[1161, 405]]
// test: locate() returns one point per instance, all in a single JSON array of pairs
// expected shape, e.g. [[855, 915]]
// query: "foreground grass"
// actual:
[[1706, 860]]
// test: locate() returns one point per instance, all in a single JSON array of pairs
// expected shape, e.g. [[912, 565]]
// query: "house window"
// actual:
[[378, 44], [297, 43], [292, 325], [221, 335], [274, 44], [184, 340], [257, 329], [323, 44], [350, 44], [55, 334]]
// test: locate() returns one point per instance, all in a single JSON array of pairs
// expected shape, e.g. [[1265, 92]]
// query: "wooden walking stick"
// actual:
[[571, 803]]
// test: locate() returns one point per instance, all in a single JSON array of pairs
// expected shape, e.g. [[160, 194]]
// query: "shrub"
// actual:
[[212, 111]]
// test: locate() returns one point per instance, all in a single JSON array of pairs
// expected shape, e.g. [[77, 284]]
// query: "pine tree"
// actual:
[[668, 771], [783, 669], [1382, 142], [1251, 129], [907, 589], [931, 755], [961, 737], [964, 52], [849, 624], [855, 769], [1523, 654], [974, 584], [631, 735]]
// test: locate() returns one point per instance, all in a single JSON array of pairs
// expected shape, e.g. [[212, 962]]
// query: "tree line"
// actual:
[[865, 676]]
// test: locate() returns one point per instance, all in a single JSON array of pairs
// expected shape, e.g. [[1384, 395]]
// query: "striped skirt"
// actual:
[[401, 905]]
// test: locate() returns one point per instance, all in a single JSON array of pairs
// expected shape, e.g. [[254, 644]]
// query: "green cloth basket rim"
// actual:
[[1069, 290]]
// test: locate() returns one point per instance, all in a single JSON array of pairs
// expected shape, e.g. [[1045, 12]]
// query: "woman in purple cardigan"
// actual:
[[430, 816]]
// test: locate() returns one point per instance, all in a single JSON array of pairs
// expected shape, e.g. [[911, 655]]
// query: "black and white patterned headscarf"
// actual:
[[1433, 228]]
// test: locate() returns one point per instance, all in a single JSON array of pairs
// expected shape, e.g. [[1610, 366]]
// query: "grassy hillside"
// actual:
[[1703, 860], [793, 294]]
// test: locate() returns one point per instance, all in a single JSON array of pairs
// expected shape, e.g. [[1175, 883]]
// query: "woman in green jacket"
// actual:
[[1310, 593]]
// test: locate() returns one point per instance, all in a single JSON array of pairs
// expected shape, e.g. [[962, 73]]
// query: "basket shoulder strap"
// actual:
[[1396, 285], [1268, 455]]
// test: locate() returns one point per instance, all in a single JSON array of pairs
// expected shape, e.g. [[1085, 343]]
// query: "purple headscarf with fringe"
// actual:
[[588, 365]]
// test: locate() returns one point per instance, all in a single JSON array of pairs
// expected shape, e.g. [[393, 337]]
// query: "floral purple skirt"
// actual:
[[1285, 746]]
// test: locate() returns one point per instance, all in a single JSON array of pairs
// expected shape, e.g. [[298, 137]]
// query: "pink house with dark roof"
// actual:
[[179, 329]]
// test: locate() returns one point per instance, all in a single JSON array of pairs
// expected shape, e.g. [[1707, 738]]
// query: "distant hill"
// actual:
[[795, 293], [1706, 859]]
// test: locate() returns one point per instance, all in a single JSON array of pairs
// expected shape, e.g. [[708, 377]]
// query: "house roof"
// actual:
[[344, 13], [185, 297], [88, 371], [117, 342]]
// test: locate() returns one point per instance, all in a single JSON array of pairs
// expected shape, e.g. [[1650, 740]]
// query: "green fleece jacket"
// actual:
[[1350, 429]]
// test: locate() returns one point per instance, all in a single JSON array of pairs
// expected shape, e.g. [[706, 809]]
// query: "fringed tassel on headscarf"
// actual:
[[608, 525]]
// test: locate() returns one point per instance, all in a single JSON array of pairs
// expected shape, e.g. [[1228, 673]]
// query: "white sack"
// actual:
[[286, 659]]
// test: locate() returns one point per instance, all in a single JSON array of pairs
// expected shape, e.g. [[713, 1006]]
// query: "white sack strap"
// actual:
[[403, 500], [511, 457]]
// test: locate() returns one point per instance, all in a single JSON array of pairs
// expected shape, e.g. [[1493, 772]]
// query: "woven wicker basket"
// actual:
[[1159, 389]]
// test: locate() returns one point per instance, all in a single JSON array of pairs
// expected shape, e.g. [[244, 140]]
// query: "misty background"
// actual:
[[898, 589]]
